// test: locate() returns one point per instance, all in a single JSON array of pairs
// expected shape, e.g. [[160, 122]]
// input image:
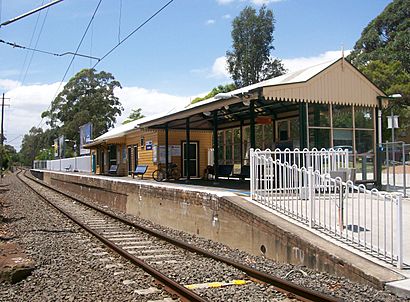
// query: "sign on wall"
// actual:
[[85, 137], [148, 145]]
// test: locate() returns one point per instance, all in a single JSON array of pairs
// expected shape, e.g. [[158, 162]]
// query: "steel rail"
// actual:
[[281, 285], [170, 285]]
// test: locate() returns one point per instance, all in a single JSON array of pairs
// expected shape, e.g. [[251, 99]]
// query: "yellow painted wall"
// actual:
[[204, 139], [145, 157]]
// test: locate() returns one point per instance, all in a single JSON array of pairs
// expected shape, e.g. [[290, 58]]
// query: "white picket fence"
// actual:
[[80, 164], [303, 189]]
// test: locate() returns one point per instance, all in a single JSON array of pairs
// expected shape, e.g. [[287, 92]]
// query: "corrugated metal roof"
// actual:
[[301, 85]]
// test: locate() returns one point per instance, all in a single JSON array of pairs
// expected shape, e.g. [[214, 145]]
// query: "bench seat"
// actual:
[[140, 170]]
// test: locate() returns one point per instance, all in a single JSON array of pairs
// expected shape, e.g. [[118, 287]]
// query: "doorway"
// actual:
[[135, 156], [193, 159], [129, 161]]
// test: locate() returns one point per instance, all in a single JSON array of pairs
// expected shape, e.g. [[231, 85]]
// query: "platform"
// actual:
[[223, 211]]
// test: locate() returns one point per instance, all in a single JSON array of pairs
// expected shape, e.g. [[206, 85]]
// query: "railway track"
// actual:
[[168, 260]]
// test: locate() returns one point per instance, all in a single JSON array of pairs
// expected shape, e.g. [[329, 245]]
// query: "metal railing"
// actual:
[[395, 164], [364, 219]]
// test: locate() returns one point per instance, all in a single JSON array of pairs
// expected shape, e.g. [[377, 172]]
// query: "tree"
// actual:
[[87, 97], [250, 60], [215, 91], [386, 38], [382, 53], [135, 114]]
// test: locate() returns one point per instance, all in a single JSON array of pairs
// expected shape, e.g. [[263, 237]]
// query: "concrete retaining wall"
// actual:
[[227, 219]]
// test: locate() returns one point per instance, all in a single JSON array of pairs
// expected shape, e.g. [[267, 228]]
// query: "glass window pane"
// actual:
[[259, 136], [283, 130], [363, 117], [364, 141], [319, 138], [228, 146], [319, 115], [343, 139], [236, 136], [342, 116], [268, 136], [295, 132], [237, 152], [246, 144]]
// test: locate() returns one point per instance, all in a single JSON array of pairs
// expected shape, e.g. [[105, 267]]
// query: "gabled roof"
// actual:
[[336, 82]]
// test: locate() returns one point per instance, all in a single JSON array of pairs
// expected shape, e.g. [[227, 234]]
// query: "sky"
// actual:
[[176, 56]]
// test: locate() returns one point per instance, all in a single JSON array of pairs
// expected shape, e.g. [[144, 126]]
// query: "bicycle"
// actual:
[[172, 172]]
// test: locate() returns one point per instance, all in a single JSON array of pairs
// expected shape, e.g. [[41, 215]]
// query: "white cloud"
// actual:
[[150, 101], [27, 102], [210, 22], [224, 1], [6, 84], [260, 2], [293, 64], [227, 16], [219, 68], [256, 2]]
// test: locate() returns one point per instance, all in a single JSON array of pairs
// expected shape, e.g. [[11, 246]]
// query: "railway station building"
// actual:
[[329, 105]]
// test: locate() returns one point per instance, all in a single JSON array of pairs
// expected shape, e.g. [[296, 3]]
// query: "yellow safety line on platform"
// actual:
[[216, 284]]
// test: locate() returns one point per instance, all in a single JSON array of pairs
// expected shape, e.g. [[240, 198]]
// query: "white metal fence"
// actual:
[[80, 164], [364, 219]]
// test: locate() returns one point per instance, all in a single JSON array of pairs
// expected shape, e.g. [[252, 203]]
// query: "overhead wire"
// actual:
[[134, 31], [72, 59], [15, 45], [119, 22], [35, 46], [30, 12], [31, 41]]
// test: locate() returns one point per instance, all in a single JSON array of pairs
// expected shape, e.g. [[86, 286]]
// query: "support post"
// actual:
[[303, 126], [215, 142], [379, 150], [2, 137], [188, 142], [166, 151], [252, 123], [399, 232], [241, 140], [311, 192]]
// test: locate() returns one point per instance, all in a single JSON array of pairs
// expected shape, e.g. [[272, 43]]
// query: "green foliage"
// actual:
[[87, 97], [34, 142], [135, 114], [8, 155], [215, 91], [45, 154], [250, 60], [386, 38], [383, 54]]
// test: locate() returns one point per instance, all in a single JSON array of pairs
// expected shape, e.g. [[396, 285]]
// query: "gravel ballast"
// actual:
[[68, 270]]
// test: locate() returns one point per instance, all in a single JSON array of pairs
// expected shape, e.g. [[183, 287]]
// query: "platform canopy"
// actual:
[[333, 82]]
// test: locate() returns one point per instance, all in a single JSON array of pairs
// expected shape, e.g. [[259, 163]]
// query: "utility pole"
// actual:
[[2, 136]]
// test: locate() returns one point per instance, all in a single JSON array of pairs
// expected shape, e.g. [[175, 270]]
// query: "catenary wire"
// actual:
[[35, 45], [31, 41], [133, 32], [15, 45], [72, 59], [30, 13]]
